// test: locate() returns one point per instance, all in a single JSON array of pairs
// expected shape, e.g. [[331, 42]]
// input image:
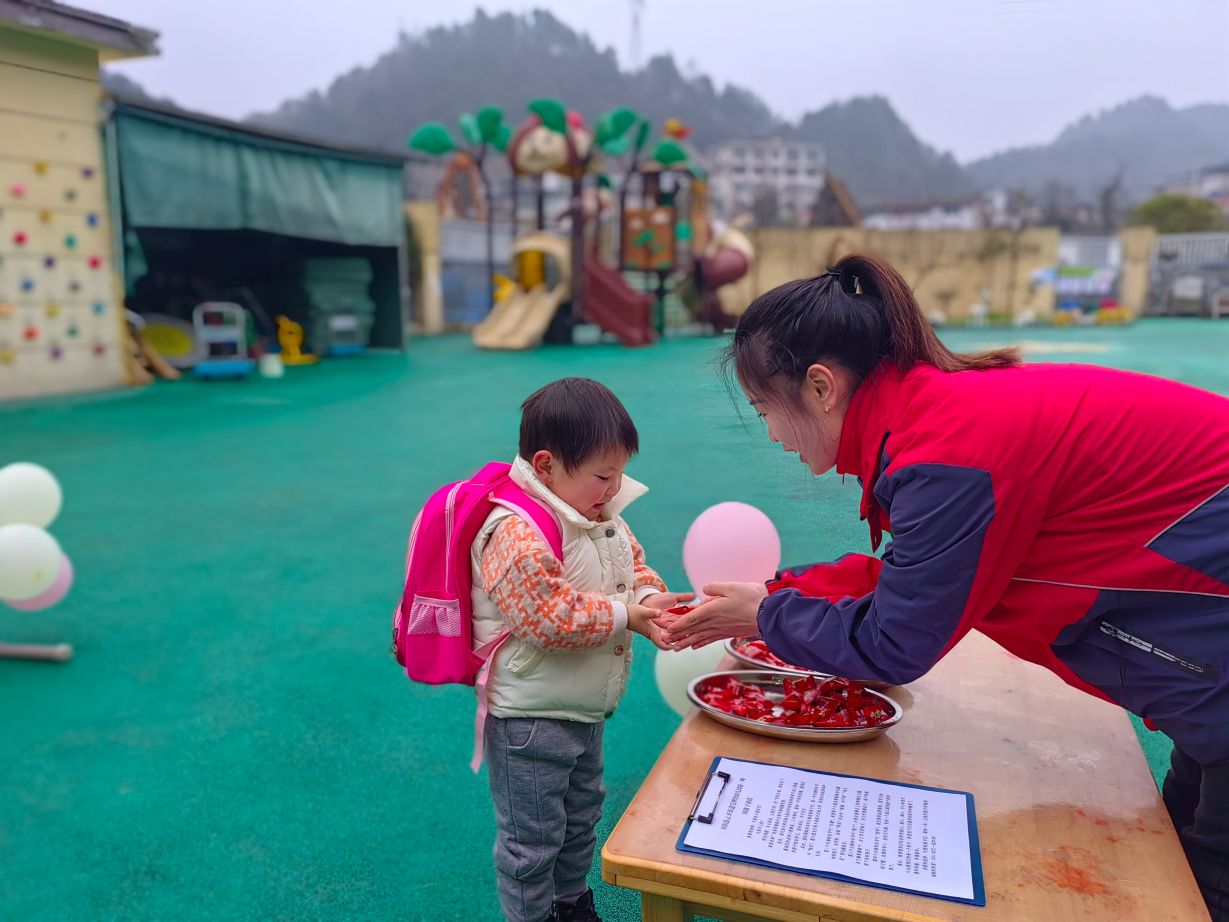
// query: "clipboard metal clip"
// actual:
[[724, 777]]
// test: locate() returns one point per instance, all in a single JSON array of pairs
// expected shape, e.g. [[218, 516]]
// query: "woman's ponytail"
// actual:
[[859, 314], [910, 337]]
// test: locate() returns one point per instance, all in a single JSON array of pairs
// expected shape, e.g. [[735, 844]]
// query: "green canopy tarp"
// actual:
[[180, 172]]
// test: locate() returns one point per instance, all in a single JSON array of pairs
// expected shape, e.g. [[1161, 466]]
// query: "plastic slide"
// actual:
[[520, 320], [617, 307], [722, 289]]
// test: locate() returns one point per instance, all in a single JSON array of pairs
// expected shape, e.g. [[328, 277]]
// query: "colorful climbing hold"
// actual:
[[56, 352], [21, 238], [74, 286], [99, 308], [70, 195], [52, 310], [18, 190], [95, 262], [91, 219], [99, 348], [45, 216], [30, 334], [7, 355], [70, 241], [73, 330], [40, 168], [87, 172], [27, 284], [6, 310], [48, 262]]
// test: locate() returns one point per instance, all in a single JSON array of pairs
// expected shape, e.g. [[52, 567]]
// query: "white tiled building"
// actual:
[[739, 170], [987, 209]]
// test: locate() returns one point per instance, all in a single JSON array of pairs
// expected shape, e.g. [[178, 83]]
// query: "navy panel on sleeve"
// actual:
[[940, 514]]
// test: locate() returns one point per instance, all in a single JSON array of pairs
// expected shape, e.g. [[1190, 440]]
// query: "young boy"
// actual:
[[564, 667]]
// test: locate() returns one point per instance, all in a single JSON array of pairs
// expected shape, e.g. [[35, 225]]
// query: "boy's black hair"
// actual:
[[575, 419]]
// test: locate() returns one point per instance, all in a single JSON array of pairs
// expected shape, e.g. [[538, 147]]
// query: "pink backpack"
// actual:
[[432, 629]]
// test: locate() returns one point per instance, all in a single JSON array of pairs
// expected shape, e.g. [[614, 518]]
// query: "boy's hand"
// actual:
[[640, 619], [663, 600]]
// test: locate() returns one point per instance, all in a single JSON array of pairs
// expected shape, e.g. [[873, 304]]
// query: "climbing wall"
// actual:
[[60, 320]]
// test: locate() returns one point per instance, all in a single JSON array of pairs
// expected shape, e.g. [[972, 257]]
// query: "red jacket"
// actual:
[[1077, 515]]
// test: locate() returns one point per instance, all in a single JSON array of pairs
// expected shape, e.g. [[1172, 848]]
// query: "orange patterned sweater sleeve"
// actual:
[[646, 582], [527, 585]]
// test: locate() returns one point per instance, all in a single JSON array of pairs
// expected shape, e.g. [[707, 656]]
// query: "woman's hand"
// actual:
[[663, 600], [731, 610]]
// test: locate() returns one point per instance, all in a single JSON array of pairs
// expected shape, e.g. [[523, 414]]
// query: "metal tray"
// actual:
[[772, 682], [734, 648]]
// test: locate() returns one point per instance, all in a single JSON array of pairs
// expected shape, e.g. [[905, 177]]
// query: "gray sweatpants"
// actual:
[[546, 781]]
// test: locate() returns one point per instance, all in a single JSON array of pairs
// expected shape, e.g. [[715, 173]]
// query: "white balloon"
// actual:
[[675, 669], [29, 561], [29, 494]]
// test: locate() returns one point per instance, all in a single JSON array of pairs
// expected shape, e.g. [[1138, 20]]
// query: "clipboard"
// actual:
[[710, 792], [715, 787]]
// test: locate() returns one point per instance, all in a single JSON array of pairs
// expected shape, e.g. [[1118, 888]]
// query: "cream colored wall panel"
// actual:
[[38, 137], [23, 89], [47, 54]]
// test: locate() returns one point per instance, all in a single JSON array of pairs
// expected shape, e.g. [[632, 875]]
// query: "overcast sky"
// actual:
[[970, 76]]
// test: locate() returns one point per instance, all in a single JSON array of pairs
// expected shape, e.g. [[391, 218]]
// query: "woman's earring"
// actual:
[[826, 409]]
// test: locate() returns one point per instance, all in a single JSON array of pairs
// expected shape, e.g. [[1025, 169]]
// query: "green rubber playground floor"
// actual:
[[232, 740]]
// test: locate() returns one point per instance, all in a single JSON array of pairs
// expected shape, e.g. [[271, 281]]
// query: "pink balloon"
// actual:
[[731, 542], [59, 589]]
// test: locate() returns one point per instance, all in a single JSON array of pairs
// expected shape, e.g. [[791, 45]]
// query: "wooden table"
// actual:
[[1071, 824]]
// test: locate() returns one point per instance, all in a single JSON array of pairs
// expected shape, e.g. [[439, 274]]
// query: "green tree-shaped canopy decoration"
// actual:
[[490, 121], [433, 138], [469, 128], [612, 134], [624, 119], [616, 147], [502, 138], [552, 113], [642, 133], [669, 153]]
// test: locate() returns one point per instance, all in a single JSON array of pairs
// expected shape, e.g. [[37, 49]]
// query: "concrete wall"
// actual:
[[948, 270], [60, 311], [424, 221], [1137, 245]]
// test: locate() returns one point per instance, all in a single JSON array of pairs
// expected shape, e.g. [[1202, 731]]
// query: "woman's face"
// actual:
[[810, 424]]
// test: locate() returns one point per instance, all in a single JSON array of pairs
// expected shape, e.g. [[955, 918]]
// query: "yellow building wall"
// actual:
[[60, 310], [947, 270]]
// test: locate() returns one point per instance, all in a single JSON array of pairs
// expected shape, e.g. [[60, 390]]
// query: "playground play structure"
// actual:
[[653, 227]]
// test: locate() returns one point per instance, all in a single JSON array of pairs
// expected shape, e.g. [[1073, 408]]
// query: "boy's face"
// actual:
[[588, 487]]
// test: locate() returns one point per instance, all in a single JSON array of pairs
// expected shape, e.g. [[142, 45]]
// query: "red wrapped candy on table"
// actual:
[[809, 701]]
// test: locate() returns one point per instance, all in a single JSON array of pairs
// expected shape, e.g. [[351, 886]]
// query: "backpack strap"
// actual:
[[514, 498], [487, 652]]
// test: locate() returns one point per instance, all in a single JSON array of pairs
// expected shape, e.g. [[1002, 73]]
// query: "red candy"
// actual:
[[758, 651], [809, 701]]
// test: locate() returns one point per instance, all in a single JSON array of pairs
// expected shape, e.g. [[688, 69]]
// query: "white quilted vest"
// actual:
[[580, 685]]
